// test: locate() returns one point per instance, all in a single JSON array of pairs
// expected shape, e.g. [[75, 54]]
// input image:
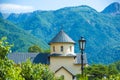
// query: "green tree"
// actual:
[[47, 51], [34, 49], [9, 70], [4, 47], [114, 77], [99, 72], [117, 64], [96, 71], [81, 77], [112, 70], [32, 71]]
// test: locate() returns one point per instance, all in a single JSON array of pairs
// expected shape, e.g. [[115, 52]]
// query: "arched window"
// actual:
[[53, 48], [61, 48], [70, 48]]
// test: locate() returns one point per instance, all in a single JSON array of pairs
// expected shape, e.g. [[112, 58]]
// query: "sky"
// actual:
[[21, 6]]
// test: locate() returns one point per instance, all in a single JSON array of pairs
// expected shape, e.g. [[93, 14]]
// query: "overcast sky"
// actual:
[[18, 6]]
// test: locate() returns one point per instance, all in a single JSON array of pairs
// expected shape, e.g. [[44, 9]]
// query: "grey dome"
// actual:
[[61, 37]]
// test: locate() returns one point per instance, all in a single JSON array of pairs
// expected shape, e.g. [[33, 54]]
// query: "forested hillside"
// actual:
[[100, 29], [18, 37]]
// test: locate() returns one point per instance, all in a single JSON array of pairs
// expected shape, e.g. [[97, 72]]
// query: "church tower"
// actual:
[[63, 61], [62, 56], [62, 44]]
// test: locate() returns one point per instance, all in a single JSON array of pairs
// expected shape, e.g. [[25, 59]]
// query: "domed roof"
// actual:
[[61, 37]]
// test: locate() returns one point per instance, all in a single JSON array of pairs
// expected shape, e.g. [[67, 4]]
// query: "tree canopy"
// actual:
[[99, 71], [23, 71], [34, 49], [4, 47]]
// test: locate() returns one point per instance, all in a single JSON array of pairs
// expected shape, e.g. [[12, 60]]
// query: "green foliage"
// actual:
[[8, 70], [36, 71], [34, 49], [114, 77], [25, 71], [4, 47], [112, 69], [117, 64], [47, 51], [37, 49], [81, 77], [60, 78], [99, 71]]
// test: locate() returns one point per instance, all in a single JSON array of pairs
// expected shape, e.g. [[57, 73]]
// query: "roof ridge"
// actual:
[[65, 69]]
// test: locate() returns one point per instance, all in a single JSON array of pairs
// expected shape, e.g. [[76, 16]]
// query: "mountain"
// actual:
[[5, 15], [101, 30], [19, 37], [1, 15], [113, 8]]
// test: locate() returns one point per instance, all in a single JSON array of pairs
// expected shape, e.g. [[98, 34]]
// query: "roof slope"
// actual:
[[34, 57], [61, 37], [64, 69], [63, 55], [78, 59], [42, 58]]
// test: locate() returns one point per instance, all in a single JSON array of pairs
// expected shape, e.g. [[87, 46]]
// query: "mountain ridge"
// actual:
[[113, 8]]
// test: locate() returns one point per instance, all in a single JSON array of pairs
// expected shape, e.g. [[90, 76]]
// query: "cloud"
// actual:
[[13, 8]]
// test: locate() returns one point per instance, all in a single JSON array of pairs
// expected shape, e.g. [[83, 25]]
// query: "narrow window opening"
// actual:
[[70, 48], [61, 48], [53, 48]]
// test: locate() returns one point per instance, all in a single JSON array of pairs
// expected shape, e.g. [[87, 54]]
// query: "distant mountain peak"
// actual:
[[113, 8]]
